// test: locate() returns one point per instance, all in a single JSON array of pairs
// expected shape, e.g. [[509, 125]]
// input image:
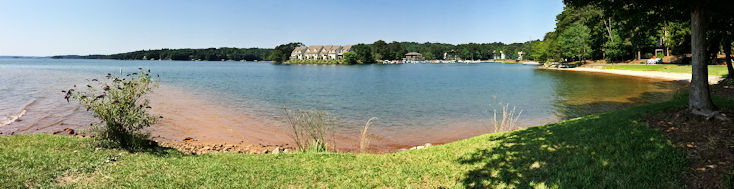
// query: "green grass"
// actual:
[[714, 70], [610, 150]]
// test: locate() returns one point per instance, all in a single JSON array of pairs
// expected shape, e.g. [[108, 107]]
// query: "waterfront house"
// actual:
[[519, 55], [501, 56], [298, 53], [320, 52], [330, 52], [413, 56], [450, 55], [345, 48], [313, 51]]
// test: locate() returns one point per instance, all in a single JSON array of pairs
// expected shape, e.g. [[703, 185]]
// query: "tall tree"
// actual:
[[651, 11], [727, 52], [575, 41], [364, 53], [381, 51], [282, 53]]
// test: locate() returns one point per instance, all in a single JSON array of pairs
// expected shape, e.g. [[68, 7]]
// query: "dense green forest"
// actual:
[[435, 51], [598, 30], [209, 54]]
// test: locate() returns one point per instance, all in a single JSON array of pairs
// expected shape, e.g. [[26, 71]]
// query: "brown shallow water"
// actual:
[[188, 116]]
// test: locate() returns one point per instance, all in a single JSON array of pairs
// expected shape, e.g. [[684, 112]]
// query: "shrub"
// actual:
[[350, 58], [647, 55], [117, 101], [311, 129]]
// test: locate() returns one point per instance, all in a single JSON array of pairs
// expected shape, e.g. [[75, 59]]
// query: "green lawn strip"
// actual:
[[609, 150], [37, 160], [714, 70]]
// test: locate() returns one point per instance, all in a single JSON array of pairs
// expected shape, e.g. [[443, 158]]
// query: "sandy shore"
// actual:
[[685, 77]]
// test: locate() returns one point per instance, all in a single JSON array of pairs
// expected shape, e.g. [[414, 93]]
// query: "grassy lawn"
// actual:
[[609, 150], [714, 70]]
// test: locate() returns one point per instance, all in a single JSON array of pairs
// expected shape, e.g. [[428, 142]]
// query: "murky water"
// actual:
[[235, 101]]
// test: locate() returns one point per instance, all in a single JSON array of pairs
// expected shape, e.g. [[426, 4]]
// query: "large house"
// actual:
[[299, 53], [413, 56], [345, 48], [320, 52], [313, 51], [330, 52]]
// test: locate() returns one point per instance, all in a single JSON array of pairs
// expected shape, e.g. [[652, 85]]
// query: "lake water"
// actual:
[[414, 103]]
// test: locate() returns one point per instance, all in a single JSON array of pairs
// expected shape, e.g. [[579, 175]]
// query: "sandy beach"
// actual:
[[684, 77]]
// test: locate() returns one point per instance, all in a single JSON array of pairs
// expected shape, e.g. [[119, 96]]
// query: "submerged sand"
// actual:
[[196, 124], [686, 77]]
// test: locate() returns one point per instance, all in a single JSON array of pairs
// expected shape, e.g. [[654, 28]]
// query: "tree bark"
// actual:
[[699, 100], [727, 53]]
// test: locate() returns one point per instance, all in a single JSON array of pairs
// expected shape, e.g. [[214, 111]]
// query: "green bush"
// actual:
[[350, 58], [647, 55], [117, 101]]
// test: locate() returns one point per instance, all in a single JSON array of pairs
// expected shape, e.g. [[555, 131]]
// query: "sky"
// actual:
[[82, 27]]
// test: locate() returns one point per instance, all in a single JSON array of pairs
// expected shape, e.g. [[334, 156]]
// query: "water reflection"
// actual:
[[578, 94]]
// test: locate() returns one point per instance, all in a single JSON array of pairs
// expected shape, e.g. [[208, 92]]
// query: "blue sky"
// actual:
[[52, 27]]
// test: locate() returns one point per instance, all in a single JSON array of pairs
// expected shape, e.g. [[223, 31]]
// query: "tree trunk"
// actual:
[[699, 100], [639, 56], [727, 53]]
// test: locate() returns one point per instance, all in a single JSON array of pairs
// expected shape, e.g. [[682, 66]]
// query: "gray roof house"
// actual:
[[298, 53], [345, 48], [330, 52], [318, 52], [313, 52]]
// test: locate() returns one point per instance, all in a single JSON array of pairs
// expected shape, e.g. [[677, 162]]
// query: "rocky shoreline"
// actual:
[[193, 146]]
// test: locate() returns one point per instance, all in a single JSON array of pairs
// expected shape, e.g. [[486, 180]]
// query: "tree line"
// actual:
[[629, 30], [435, 51], [703, 28], [208, 54], [365, 53], [381, 50]]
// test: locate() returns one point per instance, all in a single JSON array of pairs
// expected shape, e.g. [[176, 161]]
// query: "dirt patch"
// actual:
[[708, 143], [723, 90]]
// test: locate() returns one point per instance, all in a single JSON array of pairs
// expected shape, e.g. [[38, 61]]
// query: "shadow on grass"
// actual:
[[608, 150], [147, 146]]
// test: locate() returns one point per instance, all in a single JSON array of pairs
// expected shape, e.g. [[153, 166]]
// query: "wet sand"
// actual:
[[685, 77], [195, 125], [194, 122]]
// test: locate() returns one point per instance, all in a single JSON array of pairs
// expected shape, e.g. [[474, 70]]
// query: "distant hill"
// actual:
[[24, 57], [79, 57], [210, 54]]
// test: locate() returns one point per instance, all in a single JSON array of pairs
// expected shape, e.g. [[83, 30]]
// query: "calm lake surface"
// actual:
[[414, 103]]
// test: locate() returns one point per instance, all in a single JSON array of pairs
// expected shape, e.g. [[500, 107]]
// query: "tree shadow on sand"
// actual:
[[609, 150]]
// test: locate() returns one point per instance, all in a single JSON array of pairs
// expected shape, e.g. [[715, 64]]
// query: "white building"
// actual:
[[320, 52], [313, 51], [345, 48], [519, 55], [298, 53], [330, 52]]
